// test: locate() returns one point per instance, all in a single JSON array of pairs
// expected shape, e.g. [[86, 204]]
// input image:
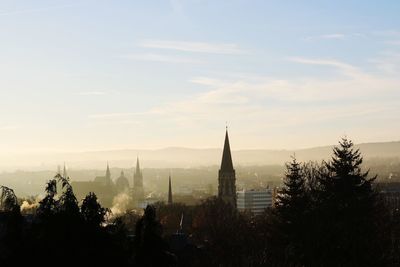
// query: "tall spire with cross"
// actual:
[[169, 191], [65, 171], [138, 190], [226, 175], [108, 175]]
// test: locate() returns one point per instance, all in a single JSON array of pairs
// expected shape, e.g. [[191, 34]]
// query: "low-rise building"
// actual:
[[255, 201]]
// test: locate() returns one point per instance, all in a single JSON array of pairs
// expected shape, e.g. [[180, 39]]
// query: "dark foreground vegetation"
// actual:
[[326, 214]]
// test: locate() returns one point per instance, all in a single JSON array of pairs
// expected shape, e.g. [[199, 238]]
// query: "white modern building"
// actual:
[[255, 201]]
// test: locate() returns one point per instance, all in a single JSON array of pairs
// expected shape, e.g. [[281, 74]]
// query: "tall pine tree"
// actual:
[[347, 206], [291, 208]]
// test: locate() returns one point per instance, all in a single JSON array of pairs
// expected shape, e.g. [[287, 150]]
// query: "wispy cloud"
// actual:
[[345, 68], [284, 103], [161, 58], [119, 115], [91, 93], [330, 36], [335, 36], [196, 47]]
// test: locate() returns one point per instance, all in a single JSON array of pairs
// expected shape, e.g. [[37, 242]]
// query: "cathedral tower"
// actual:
[[138, 192], [226, 175], [108, 175], [170, 192]]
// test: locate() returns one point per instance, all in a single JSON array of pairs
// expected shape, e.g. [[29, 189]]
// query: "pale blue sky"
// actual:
[[89, 75]]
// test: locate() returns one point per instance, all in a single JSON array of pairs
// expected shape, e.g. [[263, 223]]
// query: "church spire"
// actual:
[[226, 163], [137, 166], [227, 176], [65, 171], [108, 174], [170, 191]]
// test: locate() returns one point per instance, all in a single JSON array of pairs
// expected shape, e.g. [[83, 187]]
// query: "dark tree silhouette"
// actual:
[[151, 249], [48, 206], [68, 204], [292, 205], [8, 199], [347, 207], [92, 212], [221, 230]]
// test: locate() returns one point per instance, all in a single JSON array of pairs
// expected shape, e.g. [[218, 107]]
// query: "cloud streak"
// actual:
[[284, 103], [195, 47], [161, 58]]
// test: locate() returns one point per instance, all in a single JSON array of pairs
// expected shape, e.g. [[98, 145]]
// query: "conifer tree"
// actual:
[[292, 204], [347, 206], [292, 198]]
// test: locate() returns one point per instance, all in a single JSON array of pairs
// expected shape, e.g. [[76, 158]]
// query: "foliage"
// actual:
[[326, 214], [92, 212]]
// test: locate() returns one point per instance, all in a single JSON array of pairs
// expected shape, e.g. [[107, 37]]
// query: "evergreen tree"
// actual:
[[347, 206], [292, 199], [291, 209]]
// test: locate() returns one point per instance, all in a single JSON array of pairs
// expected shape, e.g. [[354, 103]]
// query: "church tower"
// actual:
[[65, 175], [108, 175], [226, 175], [170, 192], [138, 191], [138, 176]]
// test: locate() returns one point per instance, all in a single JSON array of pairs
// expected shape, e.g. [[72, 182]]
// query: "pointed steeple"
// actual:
[[226, 163], [137, 175], [169, 191], [108, 173], [65, 171], [227, 176], [137, 166]]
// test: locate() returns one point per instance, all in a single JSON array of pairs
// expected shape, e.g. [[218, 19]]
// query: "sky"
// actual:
[[98, 75]]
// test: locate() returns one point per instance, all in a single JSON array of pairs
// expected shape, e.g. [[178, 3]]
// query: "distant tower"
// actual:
[[170, 192], [226, 175], [138, 176], [122, 183], [65, 171], [108, 175], [138, 183]]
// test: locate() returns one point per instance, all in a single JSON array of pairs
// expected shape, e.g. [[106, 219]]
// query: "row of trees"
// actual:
[[61, 231], [331, 215], [326, 214]]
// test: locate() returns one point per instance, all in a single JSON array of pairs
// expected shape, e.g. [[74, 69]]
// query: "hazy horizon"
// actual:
[[183, 157]]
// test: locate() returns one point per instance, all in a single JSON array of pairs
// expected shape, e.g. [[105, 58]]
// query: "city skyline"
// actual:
[[105, 76]]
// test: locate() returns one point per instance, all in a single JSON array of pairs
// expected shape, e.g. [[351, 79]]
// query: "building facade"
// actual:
[[255, 201]]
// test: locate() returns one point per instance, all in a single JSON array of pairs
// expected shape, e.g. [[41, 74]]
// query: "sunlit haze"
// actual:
[[100, 75]]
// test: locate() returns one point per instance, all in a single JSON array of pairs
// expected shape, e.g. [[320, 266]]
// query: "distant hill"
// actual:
[[178, 157]]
